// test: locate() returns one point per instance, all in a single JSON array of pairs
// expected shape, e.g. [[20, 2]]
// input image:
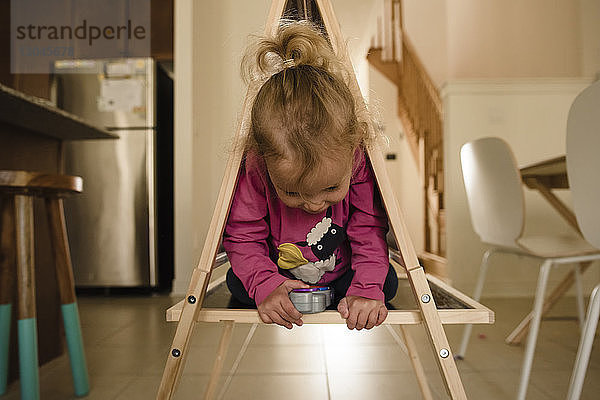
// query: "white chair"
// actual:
[[496, 203], [583, 164]]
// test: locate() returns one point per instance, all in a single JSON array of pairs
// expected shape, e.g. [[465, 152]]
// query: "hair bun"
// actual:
[[296, 43]]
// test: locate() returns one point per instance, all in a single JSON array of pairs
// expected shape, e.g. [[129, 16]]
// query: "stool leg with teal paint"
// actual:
[[27, 323], [64, 276], [7, 253]]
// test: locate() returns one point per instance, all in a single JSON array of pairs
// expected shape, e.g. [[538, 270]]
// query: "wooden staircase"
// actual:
[[420, 111]]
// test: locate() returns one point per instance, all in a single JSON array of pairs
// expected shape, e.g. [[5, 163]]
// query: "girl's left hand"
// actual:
[[360, 312]]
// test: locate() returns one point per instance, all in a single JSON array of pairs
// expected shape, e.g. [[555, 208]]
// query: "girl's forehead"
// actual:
[[328, 172]]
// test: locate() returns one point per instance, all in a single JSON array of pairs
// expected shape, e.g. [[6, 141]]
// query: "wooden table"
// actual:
[[546, 176]]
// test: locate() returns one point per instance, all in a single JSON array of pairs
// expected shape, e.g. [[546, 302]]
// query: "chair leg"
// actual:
[[70, 313], [27, 324], [585, 346], [7, 259], [535, 325], [519, 333], [580, 302], [476, 296]]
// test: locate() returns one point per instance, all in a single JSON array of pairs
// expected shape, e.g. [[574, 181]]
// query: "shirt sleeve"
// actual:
[[366, 230], [246, 233]]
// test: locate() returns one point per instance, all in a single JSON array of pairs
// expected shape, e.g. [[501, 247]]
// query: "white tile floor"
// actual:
[[127, 342]]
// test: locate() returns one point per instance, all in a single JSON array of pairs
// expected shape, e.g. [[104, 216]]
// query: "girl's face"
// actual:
[[326, 186]]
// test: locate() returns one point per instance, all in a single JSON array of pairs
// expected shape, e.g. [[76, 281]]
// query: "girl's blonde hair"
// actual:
[[303, 108]]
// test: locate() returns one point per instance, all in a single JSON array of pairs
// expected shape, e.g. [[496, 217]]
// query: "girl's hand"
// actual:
[[278, 308], [360, 312]]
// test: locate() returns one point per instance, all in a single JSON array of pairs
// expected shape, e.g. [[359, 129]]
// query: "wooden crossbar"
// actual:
[[395, 317]]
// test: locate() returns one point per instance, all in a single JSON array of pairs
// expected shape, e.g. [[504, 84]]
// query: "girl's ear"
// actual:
[[328, 213], [303, 244]]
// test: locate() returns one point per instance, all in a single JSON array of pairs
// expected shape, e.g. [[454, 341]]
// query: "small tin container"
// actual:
[[312, 300]]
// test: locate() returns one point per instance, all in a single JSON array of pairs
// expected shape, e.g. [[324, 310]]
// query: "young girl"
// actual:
[[306, 208]]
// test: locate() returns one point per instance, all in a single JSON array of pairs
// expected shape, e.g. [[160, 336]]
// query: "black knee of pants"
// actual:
[[237, 289], [341, 285]]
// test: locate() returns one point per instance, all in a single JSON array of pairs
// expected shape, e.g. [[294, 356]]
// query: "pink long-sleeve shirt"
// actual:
[[350, 234]]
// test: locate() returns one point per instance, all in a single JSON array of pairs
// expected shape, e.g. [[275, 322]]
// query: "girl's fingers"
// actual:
[[265, 318], [361, 320], [382, 315], [291, 311], [277, 318], [343, 308], [352, 319], [373, 318]]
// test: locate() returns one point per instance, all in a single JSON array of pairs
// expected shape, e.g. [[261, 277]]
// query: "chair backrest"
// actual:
[[583, 161], [494, 191]]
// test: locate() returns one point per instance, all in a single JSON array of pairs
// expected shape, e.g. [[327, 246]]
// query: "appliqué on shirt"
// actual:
[[323, 239]]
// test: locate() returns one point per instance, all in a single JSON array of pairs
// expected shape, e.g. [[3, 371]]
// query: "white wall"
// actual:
[[466, 39], [589, 15], [531, 116], [513, 39], [402, 171], [209, 40], [183, 127]]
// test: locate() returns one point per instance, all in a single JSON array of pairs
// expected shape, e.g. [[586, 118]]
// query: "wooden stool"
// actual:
[[17, 189]]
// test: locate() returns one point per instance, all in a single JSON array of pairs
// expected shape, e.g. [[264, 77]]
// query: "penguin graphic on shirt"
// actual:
[[323, 239]]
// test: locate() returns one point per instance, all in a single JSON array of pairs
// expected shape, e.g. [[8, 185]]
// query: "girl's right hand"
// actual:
[[278, 308]]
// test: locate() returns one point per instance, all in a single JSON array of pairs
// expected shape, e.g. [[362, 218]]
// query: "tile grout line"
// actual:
[[125, 387], [323, 351]]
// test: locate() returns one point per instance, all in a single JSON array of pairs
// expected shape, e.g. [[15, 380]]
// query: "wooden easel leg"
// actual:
[[416, 363], [236, 363], [185, 328], [408, 346], [219, 359], [436, 334]]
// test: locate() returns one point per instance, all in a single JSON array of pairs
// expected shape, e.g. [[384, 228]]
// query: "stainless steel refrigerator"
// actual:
[[111, 226]]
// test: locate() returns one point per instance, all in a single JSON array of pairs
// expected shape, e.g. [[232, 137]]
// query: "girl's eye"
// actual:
[[320, 247], [333, 231], [332, 188]]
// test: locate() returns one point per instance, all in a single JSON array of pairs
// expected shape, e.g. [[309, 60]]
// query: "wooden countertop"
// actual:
[[41, 116]]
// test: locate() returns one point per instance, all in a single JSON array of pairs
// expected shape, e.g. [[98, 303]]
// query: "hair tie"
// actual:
[[289, 63]]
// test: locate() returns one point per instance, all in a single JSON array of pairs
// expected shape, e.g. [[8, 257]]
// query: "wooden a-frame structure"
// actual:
[[189, 311]]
